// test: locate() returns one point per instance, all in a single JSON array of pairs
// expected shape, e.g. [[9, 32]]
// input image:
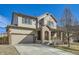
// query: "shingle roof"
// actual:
[[20, 14]]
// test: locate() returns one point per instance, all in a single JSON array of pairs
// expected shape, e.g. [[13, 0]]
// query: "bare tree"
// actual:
[[67, 21]]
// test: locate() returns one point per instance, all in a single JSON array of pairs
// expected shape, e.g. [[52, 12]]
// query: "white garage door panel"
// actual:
[[21, 39]]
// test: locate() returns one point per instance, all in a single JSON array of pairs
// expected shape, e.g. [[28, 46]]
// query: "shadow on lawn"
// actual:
[[69, 48], [74, 51]]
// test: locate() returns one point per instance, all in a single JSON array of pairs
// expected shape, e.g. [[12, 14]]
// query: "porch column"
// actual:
[[50, 41], [42, 35]]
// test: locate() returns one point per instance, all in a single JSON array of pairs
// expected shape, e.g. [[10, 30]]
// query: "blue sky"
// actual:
[[34, 10]]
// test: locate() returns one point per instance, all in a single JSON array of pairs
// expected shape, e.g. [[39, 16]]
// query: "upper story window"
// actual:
[[26, 21], [34, 21], [41, 22], [50, 23]]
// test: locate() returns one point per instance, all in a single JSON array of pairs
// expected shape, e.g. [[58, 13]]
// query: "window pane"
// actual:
[[23, 20], [49, 23], [34, 21], [29, 21], [26, 21], [52, 23]]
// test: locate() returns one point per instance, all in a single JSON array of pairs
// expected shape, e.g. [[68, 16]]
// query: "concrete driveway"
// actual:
[[39, 49]]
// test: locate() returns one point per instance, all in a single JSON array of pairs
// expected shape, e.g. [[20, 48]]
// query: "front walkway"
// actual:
[[38, 49]]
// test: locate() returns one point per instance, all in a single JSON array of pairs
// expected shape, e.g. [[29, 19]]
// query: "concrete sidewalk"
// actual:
[[39, 49]]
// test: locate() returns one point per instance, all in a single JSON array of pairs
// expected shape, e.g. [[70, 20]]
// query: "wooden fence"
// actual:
[[4, 38]]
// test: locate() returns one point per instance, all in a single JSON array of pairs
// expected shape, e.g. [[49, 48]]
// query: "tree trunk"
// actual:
[[68, 39]]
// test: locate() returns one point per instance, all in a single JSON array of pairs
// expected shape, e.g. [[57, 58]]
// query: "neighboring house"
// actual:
[[27, 29]]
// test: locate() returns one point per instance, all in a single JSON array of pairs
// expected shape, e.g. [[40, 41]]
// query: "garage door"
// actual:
[[27, 39], [21, 39]]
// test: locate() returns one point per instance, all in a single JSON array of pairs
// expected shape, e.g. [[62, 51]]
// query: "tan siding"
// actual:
[[24, 31], [44, 28], [21, 35], [33, 25], [49, 18], [46, 19]]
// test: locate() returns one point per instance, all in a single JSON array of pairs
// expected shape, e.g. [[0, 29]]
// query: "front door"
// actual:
[[39, 35]]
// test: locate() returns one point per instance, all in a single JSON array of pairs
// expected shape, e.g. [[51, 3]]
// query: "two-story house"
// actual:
[[28, 29]]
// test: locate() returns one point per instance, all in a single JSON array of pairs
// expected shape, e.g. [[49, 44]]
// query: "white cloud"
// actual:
[[3, 23]]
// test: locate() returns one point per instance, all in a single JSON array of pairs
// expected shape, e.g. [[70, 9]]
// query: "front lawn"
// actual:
[[74, 48], [8, 50]]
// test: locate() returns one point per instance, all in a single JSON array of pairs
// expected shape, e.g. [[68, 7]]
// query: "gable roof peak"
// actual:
[[47, 13]]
